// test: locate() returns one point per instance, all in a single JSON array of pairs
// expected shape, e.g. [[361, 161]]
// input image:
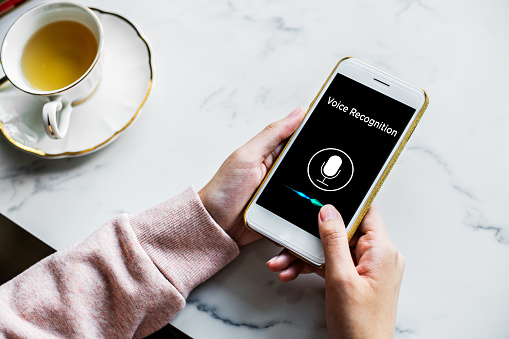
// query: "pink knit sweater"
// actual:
[[128, 279]]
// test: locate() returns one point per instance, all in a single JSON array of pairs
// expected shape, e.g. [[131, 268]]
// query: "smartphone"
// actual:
[[341, 153]]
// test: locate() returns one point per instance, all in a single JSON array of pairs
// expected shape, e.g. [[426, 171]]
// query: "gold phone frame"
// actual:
[[378, 184]]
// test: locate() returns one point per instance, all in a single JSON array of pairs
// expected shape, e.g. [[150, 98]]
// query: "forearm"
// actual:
[[127, 279]]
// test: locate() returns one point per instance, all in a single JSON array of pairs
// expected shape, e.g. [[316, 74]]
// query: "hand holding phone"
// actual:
[[341, 154], [362, 276], [226, 195]]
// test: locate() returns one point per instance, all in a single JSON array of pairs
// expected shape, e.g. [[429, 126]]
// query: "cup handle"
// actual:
[[56, 129]]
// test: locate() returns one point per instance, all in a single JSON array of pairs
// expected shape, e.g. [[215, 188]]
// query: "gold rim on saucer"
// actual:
[[41, 153]]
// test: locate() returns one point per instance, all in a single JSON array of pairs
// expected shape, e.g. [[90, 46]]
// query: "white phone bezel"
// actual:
[[293, 237]]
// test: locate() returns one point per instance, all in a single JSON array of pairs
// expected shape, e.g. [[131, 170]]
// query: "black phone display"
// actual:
[[337, 155]]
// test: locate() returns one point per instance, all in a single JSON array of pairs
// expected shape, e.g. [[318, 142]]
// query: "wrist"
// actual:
[[208, 204]]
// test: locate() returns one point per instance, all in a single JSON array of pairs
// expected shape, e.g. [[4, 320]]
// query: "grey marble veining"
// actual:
[[224, 69]]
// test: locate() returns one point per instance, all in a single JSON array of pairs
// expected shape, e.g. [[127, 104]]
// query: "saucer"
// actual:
[[95, 123]]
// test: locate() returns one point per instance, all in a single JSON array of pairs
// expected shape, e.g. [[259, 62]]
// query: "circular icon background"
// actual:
[[330, 169]]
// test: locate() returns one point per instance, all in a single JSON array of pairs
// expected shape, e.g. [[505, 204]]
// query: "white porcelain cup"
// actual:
[[56, 113]]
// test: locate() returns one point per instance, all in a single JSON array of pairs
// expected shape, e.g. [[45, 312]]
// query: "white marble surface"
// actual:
[[225, 69]]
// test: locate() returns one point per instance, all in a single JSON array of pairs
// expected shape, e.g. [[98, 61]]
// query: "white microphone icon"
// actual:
[[331, 161], [330, 168]]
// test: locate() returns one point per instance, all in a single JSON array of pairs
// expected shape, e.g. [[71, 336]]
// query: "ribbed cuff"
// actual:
[[183, 241]]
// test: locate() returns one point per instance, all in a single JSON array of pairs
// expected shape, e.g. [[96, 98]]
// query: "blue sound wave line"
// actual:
[[312, 200]]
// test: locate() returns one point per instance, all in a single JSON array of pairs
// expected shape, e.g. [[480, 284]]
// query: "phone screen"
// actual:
[[337, 155]]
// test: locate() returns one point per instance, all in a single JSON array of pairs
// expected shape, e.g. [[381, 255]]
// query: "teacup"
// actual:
[[53, 52]]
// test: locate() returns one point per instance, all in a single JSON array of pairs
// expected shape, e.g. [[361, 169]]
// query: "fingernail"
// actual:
[[273, 259], [328, 212], [295, 112]]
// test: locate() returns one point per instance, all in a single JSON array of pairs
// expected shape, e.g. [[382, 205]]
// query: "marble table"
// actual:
[[225, 69]]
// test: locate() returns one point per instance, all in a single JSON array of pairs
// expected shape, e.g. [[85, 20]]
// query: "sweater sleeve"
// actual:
[[128, 279]]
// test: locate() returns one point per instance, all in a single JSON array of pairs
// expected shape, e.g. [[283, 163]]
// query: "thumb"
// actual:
[[338, 259], [267, 140]]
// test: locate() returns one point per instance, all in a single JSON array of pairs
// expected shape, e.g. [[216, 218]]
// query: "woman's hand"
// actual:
[[362, 278], [227, 194]]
